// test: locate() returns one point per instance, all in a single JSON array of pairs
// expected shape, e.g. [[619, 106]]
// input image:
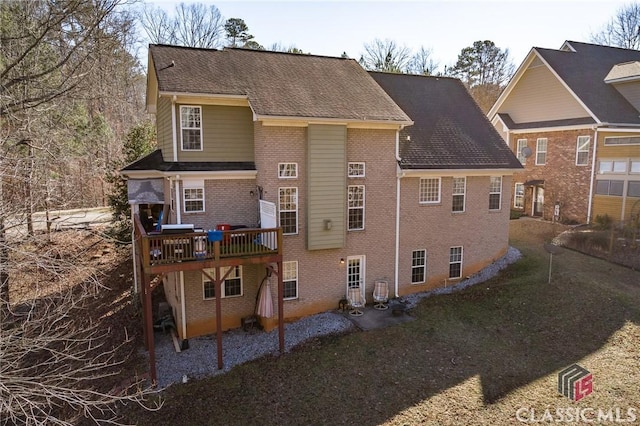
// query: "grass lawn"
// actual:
[[475, 357]]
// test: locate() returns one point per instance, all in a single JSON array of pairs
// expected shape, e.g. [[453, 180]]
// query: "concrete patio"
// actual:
[[374, 318]]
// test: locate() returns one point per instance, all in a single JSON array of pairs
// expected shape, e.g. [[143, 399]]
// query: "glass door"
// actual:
[[356, 273]]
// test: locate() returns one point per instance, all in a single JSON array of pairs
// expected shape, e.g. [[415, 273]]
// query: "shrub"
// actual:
[[603, 221], [516, 214]]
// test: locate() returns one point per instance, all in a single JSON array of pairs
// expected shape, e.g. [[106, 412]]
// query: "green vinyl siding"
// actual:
[[326, 186], [163, 126], [227, 134]]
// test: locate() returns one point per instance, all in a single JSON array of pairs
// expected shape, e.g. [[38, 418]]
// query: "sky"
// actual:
[[443, 26]]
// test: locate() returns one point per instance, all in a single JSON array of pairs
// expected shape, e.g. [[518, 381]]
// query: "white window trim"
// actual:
[[578, 150], [609, 181], [295, 262], [182, 148], [608, 138], [519, 149], [515, 195], [464, 196], [296, 210], [439, 179], [357, 208], [362, 259], [499, 192], [353, 163], [184, 199], [631, 183], [538, 151], [223, 270], [612, 169], [460, 261], [631, 163], [424, 267], [295, 168]]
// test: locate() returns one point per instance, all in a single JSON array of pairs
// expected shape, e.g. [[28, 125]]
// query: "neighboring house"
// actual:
[[572, 117], [316, 177]]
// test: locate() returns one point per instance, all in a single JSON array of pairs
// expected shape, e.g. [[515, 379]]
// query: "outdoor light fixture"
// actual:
[[342, 260]]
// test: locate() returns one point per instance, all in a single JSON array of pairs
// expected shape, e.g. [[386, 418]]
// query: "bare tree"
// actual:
[[58, 363], [279, 47], [623, 30], [422, 62], [192, 25], [198, 25], [385, 55], [54, 79], [157, 25]]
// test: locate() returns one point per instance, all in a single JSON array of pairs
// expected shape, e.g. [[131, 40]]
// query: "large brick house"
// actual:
[[338, 177], [572, 117]]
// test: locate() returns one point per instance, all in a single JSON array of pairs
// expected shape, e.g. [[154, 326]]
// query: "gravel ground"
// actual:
[[200, 360]]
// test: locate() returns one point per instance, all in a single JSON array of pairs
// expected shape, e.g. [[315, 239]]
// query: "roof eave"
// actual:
[[503, 171], [177, 174], [207, 98], [273, 120], [553, 128]]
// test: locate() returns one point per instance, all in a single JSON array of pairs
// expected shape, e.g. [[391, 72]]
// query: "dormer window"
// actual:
[[191, 128]]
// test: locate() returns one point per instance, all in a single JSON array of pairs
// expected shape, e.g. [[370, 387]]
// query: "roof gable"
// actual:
[[277, 84], [582, 68], [450, 130], [540, 95], [628, 71]]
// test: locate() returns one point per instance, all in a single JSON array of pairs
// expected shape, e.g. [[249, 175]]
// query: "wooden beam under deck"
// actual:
[[264, 247], [195, 265]]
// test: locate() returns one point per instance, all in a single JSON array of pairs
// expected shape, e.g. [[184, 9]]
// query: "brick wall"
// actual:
[[564, 182], [321, 276], [483, 234], [227, 201]]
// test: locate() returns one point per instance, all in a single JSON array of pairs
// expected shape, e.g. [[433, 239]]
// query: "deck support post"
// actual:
[[280, 308], [148, 327], [218, 286]]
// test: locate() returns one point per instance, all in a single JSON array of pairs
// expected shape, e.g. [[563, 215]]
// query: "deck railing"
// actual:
[[162, 249]]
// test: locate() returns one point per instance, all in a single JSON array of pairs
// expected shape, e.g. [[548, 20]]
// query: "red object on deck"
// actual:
[[226, 237]]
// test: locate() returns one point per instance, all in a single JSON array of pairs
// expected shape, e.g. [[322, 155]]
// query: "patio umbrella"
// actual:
[[265, 301]]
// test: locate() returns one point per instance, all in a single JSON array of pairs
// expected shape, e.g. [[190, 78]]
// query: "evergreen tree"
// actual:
[[140, 141]]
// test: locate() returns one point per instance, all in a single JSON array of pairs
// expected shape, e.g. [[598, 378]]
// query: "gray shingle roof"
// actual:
[[277, 84], [154, 161], [508, 121], [450, 130], [585, 70]]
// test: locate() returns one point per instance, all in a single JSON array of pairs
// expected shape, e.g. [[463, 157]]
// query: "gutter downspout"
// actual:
[[593, 174], [173, 128], [177, 195], [398, 175]]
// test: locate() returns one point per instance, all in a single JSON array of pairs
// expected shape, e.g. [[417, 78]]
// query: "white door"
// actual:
[[268, 219], [356, 273], [538, 201]]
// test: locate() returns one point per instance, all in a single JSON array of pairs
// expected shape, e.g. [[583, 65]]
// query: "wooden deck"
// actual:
[[161, 253]]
